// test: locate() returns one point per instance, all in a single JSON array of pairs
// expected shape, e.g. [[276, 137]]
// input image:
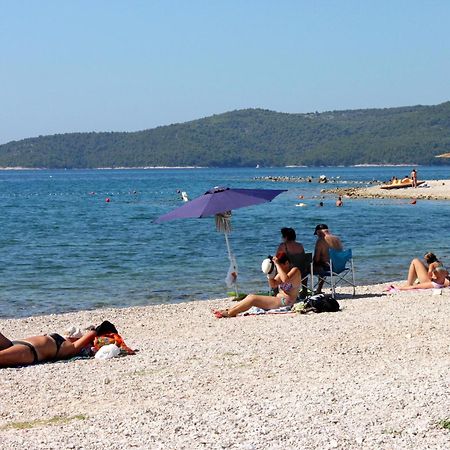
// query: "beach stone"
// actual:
[[249, 382]]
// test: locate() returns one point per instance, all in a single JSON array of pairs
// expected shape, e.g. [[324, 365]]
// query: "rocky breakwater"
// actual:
[[322, 179], [287, 179]]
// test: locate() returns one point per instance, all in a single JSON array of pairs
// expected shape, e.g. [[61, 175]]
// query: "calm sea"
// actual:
[[64, 248]]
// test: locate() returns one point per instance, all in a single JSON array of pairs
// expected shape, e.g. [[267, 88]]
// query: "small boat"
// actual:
[[400, 185]]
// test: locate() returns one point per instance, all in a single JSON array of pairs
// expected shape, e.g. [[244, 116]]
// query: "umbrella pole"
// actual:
[[230, 256]]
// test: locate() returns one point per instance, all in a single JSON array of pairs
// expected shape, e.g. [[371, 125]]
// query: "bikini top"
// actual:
[[287, 286]]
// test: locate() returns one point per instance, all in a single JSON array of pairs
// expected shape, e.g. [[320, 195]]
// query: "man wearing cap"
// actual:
[[321, 260]]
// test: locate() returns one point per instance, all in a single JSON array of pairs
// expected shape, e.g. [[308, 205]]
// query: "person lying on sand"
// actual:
[[435, 276], [49, 347], [288, 282]]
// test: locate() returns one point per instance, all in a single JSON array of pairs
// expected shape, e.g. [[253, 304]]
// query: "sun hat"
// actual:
[[268, 267], [321, 226]]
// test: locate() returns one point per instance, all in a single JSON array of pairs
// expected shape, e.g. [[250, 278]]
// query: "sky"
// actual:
[[110, 65]]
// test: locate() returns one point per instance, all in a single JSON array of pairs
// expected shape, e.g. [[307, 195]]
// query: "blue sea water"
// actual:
[[64, 248]]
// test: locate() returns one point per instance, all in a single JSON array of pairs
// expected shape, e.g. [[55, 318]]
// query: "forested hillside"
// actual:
[[253, 136]]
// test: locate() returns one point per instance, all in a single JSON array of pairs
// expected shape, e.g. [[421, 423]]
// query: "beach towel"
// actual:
[[112, 338], [255, 311], [434, 291]]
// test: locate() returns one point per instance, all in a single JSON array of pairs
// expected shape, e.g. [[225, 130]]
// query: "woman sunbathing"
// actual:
[[435, 276], [49, 347], [288, 281]]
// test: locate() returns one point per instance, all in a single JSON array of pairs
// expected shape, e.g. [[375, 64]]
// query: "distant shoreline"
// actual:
[[104, 168], [386, 165], [18, 168]]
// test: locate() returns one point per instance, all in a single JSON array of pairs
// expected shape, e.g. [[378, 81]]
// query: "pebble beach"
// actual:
[[372, 376], [431, 190]]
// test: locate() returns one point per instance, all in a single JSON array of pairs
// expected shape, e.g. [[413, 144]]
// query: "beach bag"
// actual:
[[322, 303], [107, 351]]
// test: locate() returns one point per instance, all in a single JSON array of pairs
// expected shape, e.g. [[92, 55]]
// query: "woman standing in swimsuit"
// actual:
[[435, 276], [288, 281], [49, 347]]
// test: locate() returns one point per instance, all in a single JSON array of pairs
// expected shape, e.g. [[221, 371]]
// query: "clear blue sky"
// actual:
[[129, 65]]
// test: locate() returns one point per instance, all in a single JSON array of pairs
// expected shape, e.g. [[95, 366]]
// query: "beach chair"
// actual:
[[341, 270], [307, 272]]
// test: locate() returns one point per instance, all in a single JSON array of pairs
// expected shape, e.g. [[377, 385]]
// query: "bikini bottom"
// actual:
[[286, 301], [58, 341], [31, 347]]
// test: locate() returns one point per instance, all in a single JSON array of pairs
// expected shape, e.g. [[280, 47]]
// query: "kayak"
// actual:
[[400, 185]]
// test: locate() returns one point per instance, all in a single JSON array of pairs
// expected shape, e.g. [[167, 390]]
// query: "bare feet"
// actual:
[[391, 289], [221, 314]]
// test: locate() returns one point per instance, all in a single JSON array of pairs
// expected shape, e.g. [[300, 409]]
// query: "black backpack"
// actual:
[[321, 303]]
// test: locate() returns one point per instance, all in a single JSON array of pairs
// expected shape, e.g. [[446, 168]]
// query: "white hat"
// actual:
[[268, 267]]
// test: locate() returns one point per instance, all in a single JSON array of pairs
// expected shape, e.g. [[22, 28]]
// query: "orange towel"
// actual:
[[112, 338]]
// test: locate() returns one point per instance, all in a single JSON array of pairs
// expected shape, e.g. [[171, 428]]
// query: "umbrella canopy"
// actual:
[[220, 200]]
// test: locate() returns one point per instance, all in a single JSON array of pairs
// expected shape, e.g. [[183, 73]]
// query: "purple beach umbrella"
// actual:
[[219, 202]]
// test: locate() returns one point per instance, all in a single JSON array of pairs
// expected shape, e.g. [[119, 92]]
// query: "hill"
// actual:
[[406, 135]]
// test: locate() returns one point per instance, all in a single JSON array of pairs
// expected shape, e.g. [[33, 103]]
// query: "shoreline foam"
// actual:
[[373, 376]]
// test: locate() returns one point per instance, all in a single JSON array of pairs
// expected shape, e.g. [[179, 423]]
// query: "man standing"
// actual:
[[325, 241], [414, 178]]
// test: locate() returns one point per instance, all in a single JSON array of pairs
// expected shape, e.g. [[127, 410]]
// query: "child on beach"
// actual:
[[431, 276]]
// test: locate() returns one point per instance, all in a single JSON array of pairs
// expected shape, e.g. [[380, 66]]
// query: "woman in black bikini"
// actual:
[[49, 347], [288, 281]]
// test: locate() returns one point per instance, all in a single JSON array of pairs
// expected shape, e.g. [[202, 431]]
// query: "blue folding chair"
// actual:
[[341, 268]]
